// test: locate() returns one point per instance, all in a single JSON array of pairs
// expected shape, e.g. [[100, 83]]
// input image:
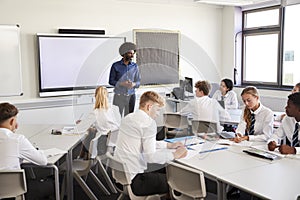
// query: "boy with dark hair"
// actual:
[[289, 129], [14, 147]]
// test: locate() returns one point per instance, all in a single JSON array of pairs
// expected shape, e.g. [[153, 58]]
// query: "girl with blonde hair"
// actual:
[[256, 121], [107, 116], [104, 118]]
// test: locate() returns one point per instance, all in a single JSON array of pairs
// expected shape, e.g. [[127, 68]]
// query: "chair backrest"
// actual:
[[119, 170], [186, 180], [98, 145], [12, 183], [175, 120], [199, 126], [10, 157]]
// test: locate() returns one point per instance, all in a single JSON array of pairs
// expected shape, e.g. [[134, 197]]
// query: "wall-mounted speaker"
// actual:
[[81, 31]]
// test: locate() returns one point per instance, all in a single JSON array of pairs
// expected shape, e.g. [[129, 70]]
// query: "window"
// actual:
[[261, 42], [291, 48], [270, 49]]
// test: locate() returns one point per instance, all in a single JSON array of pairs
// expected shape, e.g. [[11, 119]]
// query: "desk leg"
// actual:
[[69, 175], [221, 190]]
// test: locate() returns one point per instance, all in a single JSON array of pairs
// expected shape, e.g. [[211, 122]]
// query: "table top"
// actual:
[[264, 178], [40, 136]]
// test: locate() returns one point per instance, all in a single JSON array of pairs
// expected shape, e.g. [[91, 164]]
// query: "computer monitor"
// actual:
[[188, 84]]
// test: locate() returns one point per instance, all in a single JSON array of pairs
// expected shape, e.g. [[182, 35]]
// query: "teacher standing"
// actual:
[[125, 77]]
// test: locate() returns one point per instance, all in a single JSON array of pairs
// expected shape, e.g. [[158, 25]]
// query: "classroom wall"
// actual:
[[200, 27], [207, 40]]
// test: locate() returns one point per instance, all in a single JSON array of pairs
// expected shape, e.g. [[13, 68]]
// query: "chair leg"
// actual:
[[106, 177], [63, 188], [84, 186], [102, 187]]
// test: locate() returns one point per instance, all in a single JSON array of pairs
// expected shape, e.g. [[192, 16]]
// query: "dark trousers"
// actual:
[[150, 183], [125, 103]]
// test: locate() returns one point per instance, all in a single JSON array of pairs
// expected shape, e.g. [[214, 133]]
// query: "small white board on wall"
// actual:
[[10, 61]]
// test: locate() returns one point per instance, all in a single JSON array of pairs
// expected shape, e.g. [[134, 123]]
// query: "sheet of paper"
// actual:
[[53, 152], [190, 154]]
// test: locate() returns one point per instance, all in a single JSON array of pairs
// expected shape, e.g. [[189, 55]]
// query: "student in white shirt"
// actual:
[[104, 117], [261, 128], [226, 94], [204, 108], [15, 147], [295, 89], [137, 147], [288, 127]]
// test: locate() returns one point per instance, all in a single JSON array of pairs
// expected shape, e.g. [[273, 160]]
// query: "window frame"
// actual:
[[260, 31]]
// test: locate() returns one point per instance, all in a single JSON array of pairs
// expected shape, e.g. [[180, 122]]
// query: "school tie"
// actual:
[[251, 129], [295, 141], [222, 98]]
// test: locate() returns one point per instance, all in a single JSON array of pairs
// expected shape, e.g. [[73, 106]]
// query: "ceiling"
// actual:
[[215, 2]]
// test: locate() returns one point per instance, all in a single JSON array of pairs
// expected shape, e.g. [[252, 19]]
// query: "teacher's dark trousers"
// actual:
[[125, 103]]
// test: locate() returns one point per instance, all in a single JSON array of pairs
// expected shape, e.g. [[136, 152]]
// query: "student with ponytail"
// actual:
[[256, 121]]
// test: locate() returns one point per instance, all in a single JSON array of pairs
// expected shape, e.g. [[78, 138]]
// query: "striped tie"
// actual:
[[295, 141], [251, 129]]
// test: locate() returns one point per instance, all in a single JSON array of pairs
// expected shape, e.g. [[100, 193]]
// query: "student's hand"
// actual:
[[285, 149], [240, 138], [272, 146], [174, 145], [180, 152]]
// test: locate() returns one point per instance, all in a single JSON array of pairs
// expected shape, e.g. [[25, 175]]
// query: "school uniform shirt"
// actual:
[[136, 144], [286, 130], [15, 148], [230, 99], [263, 127], [206, 109], [104, 120], [109, 119]]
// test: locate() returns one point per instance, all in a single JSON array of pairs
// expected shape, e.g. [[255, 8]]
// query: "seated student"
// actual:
[[226, 94], [104, 117], [205, 108], [15, 147], [137, 147], [295, 89], [256, 121], [289, 129]]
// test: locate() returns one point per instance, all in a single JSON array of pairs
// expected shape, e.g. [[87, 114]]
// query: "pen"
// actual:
[[185, 142], [211, 150]]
